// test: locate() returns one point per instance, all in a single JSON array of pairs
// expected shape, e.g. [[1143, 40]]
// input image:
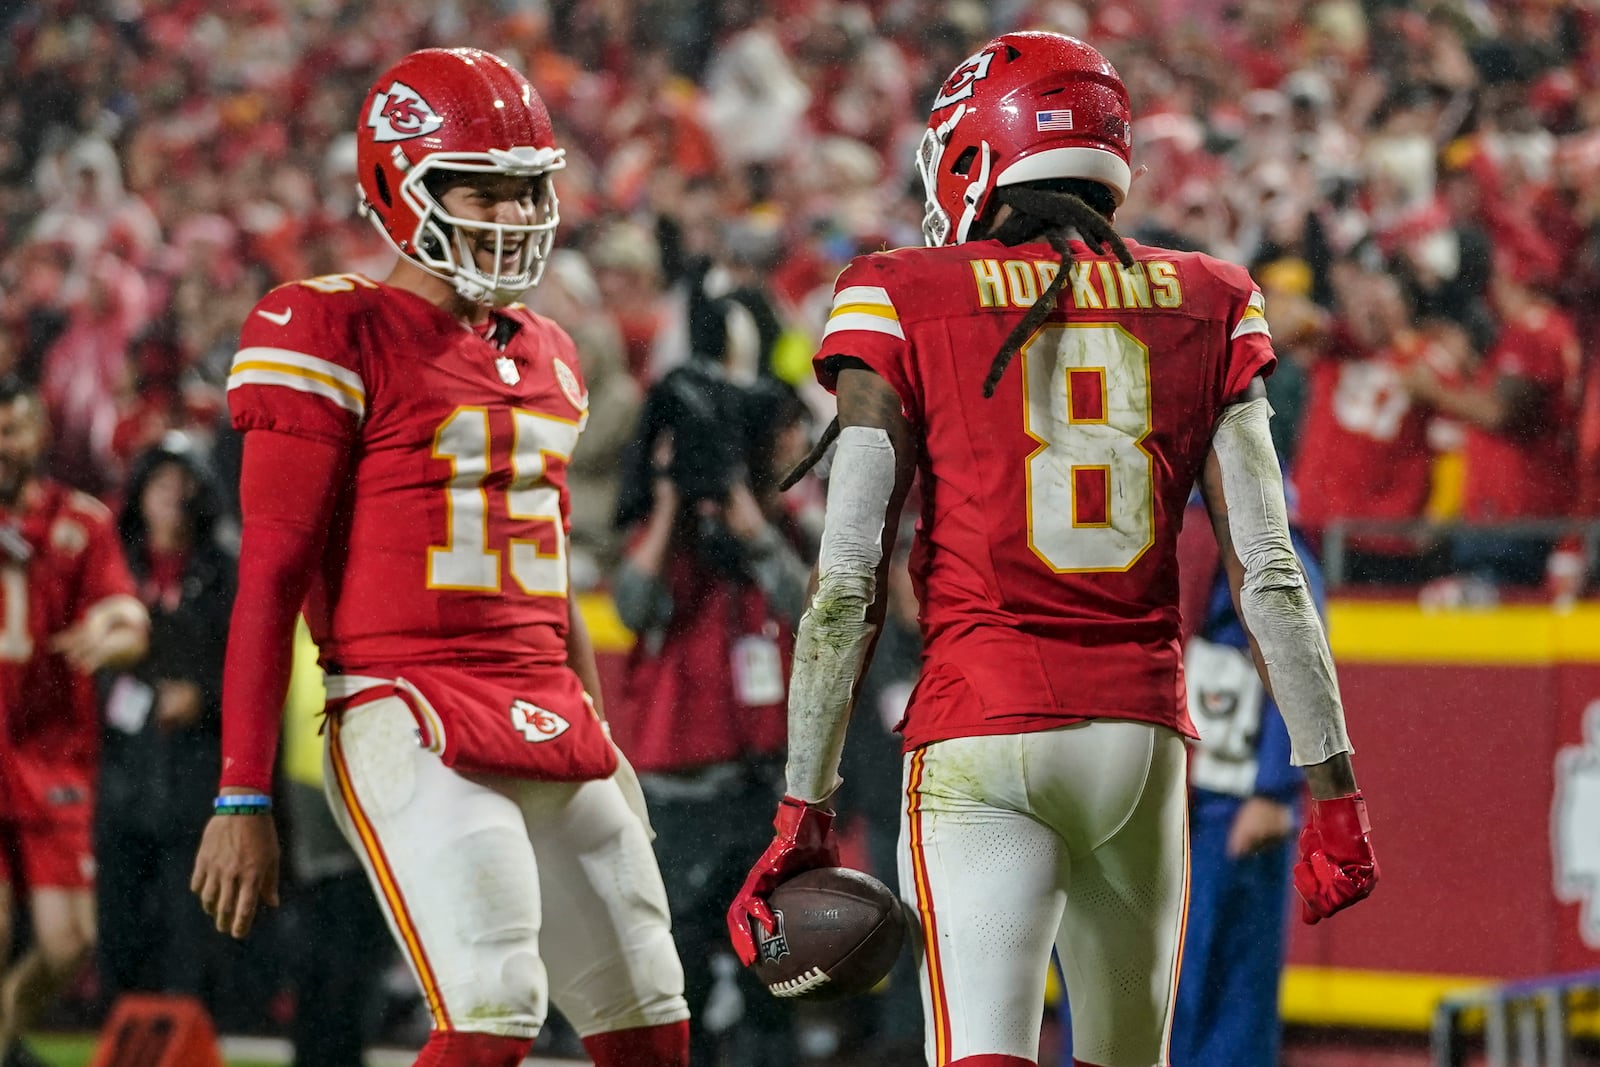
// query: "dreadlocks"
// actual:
[[812, 458], [1044, 210], [1048, 213]]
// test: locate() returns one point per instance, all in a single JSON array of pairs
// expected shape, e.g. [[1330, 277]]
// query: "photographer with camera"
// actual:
[[712, 582]]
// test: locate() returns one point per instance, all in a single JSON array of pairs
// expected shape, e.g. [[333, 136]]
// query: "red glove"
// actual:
[[1337, 867], [804, 842]]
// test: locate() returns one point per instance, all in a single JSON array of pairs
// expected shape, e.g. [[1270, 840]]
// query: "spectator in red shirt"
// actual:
[[1520, 409], [70, 611], [1364, 451]]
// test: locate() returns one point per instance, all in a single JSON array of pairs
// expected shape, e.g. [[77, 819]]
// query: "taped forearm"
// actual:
[[1274, 603], [834, 634]]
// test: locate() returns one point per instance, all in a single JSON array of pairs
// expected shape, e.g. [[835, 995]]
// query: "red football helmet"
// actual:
[[1028, 106], [458, 109]]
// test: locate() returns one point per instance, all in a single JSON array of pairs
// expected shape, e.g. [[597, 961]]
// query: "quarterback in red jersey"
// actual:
[[404, 482], [1044, 775], [69, 609]]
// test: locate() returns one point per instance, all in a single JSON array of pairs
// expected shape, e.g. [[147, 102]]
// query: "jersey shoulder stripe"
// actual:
[[864, 307], [304, 373], [1253, 319]]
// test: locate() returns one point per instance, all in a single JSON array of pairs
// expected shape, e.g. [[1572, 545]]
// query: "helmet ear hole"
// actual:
[[382, 182], [963, 164]]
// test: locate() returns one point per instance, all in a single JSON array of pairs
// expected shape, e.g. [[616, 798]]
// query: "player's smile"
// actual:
[[509, 258], [511, 255]]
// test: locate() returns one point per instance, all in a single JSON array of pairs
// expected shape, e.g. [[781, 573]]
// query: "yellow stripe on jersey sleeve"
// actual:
[[1254, 318], [302, 373], [864, 307]]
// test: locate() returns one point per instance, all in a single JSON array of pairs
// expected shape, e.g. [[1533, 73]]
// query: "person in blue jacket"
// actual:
[[1244, 806]]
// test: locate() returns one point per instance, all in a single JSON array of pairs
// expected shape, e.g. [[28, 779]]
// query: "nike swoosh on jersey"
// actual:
[[280, 317]]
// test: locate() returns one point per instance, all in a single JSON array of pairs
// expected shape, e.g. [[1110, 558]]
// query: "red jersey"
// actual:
[[1364, 451], [48, 708], [1045, 559], [446, 553], [1524, 477], [711, 688]]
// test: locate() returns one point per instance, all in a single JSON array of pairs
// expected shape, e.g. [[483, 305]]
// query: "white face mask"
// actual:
[[443, 244], [930, 153], [935, 220]]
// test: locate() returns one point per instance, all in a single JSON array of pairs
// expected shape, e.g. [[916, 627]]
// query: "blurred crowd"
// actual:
[[1415, 185]]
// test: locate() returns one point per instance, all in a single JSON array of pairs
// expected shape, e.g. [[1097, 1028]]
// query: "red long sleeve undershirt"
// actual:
[[287, 491]]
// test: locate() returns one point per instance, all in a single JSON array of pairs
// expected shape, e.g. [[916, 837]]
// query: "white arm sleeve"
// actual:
[[831, 644], [1274, 603]]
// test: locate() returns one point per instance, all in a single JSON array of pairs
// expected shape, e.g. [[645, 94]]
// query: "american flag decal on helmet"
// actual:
[[1053, 120]]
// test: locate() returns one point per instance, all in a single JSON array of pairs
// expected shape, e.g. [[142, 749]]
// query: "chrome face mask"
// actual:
[[935, 221], [930, 154]]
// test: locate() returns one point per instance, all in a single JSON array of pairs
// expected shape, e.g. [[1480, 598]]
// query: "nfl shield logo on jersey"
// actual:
[[537, 724], [770, 948]]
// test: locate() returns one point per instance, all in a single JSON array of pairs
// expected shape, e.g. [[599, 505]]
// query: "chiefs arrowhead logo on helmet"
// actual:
[[958, 86], [399, 113]]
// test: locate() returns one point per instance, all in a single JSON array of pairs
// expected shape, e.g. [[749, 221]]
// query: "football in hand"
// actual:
[[838, 933]]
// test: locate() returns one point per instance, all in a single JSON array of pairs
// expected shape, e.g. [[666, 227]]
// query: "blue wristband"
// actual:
[[258, 801]]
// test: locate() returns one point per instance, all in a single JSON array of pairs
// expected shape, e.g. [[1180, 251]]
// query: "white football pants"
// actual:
[[504, 894], [1075, 838]]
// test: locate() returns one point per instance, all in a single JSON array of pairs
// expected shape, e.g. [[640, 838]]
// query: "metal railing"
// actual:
[[1525, 1023], [1337, 535]]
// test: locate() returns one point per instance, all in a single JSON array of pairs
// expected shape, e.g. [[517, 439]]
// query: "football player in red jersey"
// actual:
[[69, 609], [404, 481], [1045, 766]]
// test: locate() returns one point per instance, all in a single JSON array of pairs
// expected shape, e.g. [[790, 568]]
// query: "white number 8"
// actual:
[[1091, 483]]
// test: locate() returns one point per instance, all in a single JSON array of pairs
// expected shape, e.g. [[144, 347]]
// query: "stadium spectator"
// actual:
[[1364, 452], [570, 295], [1520, 409], [163, 742], [712, 583], [627, 272], [70, 611]]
